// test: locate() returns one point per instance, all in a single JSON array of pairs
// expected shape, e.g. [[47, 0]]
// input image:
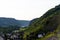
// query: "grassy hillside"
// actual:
[[47, 24]]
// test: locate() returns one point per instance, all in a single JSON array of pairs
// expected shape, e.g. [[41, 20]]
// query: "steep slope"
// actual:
[[47, 24]]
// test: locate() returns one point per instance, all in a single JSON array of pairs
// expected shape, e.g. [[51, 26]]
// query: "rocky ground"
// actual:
[[1, 38]]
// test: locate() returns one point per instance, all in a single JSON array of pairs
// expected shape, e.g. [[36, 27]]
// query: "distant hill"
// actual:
[[5, 22], [23, 23]]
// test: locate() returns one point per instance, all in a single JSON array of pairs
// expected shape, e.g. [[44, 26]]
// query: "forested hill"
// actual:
[[48, 25], [5, 22]]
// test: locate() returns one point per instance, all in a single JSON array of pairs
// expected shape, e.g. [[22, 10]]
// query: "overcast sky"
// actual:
[[25, 9]]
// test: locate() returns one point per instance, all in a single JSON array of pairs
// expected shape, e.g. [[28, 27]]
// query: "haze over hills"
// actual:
[[4, 22]]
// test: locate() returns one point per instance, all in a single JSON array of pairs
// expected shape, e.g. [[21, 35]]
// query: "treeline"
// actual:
[[9, 29]]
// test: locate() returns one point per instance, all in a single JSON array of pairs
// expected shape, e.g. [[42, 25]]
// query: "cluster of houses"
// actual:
[[15, 35], [18, 35]]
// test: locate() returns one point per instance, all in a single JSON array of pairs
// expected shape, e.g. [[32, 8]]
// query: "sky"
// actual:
[[25, 9]]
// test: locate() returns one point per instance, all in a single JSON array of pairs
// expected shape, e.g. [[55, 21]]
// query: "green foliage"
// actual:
[[8, 29], [48, 24], [45, 24]]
